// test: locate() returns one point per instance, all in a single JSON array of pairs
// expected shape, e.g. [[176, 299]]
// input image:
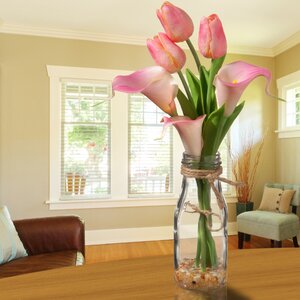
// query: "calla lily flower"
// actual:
[[232, 80], [155, 83], [190, 132], [176, 22], [212, 41], [166, 53]]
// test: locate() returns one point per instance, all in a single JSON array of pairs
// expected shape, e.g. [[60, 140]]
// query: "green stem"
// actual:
[[206, 248], [202, 242], [194, 53], [209, 90], [185, 85]]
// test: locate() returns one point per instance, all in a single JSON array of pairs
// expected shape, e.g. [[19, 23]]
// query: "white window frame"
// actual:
[[283, 84], [119, 148]]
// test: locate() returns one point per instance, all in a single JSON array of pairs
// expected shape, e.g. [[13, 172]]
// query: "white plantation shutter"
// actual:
[[289, 111], [150, 158], [85, 139], [293, 107]]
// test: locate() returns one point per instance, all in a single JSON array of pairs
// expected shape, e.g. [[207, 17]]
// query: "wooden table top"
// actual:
[[252, 274]]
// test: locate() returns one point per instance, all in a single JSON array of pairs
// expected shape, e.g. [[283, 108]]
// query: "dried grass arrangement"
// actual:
[[244, 166]]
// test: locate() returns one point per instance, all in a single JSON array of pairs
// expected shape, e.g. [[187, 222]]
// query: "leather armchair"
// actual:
[[50, 243]]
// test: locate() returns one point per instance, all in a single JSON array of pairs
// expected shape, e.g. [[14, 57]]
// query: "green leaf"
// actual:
[[231, 119], [211, 102], [197, 93], [194, 84], [216, 127], [214, 104], [216, 65], [212, 131], [205, 73], [186, 105]]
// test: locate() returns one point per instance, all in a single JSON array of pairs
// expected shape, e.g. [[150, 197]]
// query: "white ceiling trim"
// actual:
[[258, 51], [71, 34], [287, 44], [136, 40]]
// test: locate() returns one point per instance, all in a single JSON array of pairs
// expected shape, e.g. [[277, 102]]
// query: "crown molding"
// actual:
[[258, 51], [287, 44], [136, 40], [71, 34]]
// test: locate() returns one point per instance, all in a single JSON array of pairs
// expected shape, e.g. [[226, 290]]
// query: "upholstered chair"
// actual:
[[272, 225]]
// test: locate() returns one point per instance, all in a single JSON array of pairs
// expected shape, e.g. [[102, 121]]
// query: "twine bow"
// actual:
[[206, 213], [210, 176]]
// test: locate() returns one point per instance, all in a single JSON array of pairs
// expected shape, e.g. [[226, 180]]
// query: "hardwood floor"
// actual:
[[109, 252]]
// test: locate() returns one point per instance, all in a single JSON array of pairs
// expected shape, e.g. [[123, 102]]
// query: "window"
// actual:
[[107, 152], [289, 111], [293, 106], [85, 143], [150, 158]]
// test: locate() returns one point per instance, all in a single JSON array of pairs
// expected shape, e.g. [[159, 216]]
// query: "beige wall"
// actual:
[[259, 117], [24, 121], [287, 62], [288, 158]]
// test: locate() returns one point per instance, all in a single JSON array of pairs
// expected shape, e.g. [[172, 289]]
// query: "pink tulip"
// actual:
[[155, 83], [166, 53], [176, 22], [212, 41], [190, 132], [232, 80]]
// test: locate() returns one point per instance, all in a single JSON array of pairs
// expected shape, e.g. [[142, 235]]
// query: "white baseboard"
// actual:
[[232, 228], [138, 234]]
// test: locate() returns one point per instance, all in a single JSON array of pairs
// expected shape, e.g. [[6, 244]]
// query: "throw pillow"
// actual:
[[276, 200], [285, 201], [11, 246]]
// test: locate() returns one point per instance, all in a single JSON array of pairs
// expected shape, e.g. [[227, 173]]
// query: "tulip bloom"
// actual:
[[155, 83], [190, 132], [212, 41], [166, 53], [176, 22], [233, 79]]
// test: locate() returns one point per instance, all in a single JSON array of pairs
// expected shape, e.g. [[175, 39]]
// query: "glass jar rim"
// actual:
[[201, 162]]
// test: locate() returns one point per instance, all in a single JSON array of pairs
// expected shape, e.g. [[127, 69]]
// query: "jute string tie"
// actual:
[[205, 213], [210, 176]]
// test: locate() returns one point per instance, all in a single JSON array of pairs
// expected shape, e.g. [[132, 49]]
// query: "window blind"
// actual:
[[85, 139], [293, 107], [150, 158]]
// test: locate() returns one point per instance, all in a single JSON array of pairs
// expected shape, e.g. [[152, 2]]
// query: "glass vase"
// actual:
[[200, 227]]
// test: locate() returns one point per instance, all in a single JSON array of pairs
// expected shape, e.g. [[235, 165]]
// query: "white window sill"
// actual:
[[288, 133], [109, 203], [87, 204]]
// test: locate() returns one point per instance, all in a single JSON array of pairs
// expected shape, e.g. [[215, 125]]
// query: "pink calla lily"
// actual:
[[232, 80], [176, 22], [190, 132], [155, 83], [166, 53]]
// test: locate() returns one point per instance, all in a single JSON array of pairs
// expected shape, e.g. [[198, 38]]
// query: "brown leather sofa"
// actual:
[[50, 243]]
